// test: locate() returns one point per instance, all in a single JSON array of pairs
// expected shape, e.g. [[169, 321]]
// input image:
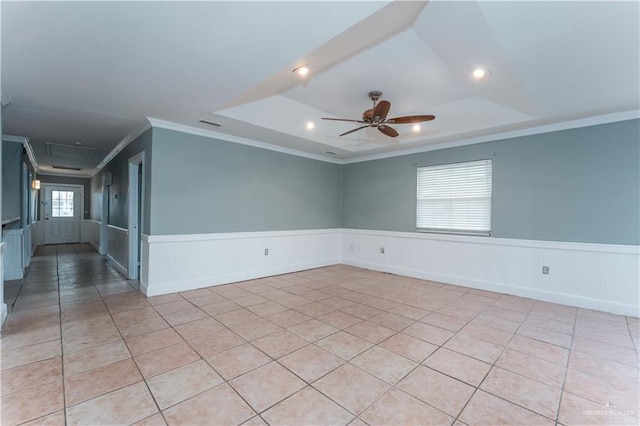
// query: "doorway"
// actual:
[[136, 196], [61, 209]]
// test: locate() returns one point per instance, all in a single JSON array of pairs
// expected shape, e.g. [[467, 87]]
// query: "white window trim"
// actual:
[[482, 189]]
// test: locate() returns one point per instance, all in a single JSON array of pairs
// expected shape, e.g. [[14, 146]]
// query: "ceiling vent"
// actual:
[[68, 151], [78, 169], [210, 123]]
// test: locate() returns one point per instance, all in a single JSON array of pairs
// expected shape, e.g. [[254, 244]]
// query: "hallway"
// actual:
[[334, 345]]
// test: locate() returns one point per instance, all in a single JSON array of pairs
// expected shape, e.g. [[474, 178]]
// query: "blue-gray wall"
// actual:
[[580, 185], [204, 185], [119, 189], [11, 169], [96, 197]]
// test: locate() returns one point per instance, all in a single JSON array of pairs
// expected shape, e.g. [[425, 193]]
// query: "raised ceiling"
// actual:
[[90, 72]]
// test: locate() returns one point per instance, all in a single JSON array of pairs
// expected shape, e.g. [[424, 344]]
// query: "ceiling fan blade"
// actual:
[[382, 109], [354, 130], [343, 119], [389, 131], [408, 119]]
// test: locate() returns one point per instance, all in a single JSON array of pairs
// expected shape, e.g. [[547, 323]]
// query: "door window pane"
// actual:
[[62, 203]]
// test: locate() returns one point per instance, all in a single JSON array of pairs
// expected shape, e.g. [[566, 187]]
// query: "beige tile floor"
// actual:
[[335, 345]]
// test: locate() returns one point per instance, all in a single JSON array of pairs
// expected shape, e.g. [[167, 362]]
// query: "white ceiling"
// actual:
[[92, 71]]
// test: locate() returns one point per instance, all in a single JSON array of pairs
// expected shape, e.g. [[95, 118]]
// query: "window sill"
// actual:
[[454, 232]]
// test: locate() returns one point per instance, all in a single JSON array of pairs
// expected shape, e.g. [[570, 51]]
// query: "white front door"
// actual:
[[62, 211]]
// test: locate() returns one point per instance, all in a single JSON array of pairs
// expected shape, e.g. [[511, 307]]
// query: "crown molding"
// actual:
[[169, 125], [150, 122], [143, 127], [26, 143], [547, 128]]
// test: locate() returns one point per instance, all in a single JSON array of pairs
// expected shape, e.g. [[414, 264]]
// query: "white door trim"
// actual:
[[104, 240], [43, 207], [24, 213], [134, 210]]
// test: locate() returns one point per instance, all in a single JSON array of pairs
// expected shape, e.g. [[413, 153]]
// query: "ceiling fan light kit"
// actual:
[[377, 117]]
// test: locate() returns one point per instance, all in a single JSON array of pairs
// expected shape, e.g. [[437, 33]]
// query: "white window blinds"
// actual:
[[455, 198]]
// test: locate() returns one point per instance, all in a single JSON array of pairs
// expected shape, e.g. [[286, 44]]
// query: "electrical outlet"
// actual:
[[382, 249], [266, 252], [545, 270]]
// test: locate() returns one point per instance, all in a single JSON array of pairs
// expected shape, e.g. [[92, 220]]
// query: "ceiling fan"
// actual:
[[377, 117]]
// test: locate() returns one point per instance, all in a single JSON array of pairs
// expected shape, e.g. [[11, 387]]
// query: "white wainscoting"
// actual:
[[27, 248], [117, 248], [35, 237], [3, 306], [91, 233], [596, 276], [172, 263], [13, 251], [39, 232]]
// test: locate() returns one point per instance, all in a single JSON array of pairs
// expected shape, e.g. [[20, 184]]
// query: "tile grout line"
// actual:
[[129, 351], [493, 365], [566, 369], [64, 393], [122, 337], [225, 381]]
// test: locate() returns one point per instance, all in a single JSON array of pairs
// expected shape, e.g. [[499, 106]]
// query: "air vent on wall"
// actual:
[[68, 151], [210, 123]]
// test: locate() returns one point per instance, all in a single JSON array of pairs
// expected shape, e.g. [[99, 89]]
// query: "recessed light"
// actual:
[[416, 127], [78, 143], [479, 73], [303, 70], [310, 125]]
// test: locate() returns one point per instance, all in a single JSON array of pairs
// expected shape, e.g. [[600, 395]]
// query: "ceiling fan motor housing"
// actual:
[[375, 95]]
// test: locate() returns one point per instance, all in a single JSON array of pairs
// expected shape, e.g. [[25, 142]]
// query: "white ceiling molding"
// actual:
[[556, 127], [143, 127], [150, 122], [155, 122], [27, 146]]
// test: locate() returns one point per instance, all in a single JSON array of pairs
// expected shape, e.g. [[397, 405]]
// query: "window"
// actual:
[[455, 198], [62, 203]]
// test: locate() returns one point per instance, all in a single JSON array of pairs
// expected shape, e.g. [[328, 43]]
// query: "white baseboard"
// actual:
[[95, 246], [3, 313], [3, 306], [91, 233], [547, 296], [175, 263], [113, 262], [232, 278], [118, 247], [595, 276]]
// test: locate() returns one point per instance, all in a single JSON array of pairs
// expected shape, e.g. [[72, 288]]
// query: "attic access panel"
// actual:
[[68, 151]]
